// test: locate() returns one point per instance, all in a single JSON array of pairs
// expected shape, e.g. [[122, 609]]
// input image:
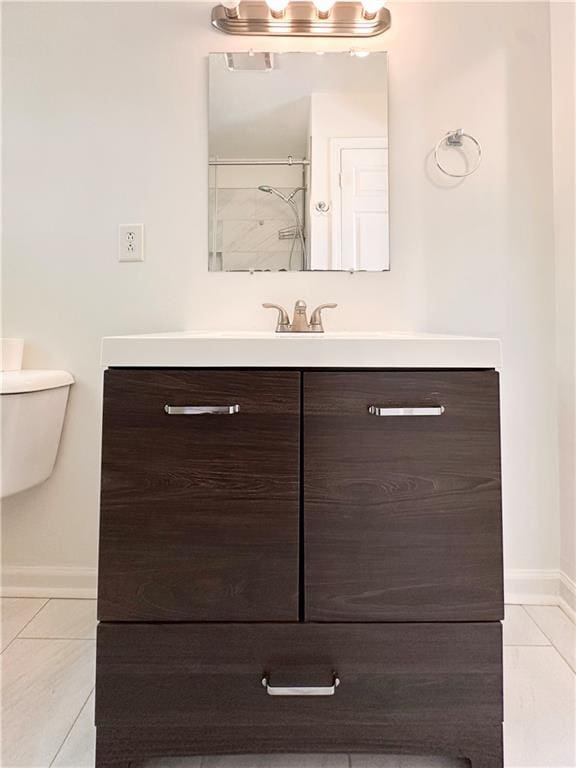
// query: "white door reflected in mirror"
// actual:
[[298, 164]]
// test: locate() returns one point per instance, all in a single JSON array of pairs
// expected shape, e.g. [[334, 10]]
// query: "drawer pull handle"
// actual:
[[301, 690], [198, 410], [378, 410]]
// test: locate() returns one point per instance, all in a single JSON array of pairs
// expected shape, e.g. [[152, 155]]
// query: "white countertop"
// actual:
[[264, 349]]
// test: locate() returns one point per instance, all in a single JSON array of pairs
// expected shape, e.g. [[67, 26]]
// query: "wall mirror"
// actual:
[[298, 162]]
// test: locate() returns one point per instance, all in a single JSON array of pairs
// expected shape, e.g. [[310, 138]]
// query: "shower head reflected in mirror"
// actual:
[[274, 191], [289, 200]]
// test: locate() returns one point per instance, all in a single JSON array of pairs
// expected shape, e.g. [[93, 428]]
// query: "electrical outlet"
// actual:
[[131, 242]]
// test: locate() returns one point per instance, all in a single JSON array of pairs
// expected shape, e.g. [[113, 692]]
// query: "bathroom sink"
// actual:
[[332, 349]]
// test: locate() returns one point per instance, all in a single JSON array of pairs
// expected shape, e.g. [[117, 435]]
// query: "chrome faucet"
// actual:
[[299, 322]]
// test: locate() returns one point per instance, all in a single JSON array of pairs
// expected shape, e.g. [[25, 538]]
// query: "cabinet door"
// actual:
[[402, 513], [199, 511]]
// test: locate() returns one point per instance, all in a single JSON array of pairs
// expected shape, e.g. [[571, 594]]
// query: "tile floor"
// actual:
[[47, 693]]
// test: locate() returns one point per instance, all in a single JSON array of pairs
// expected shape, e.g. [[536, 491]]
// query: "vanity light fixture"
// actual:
[[303, 18], [277, 8], [370, 8], [231, 8], [324, 8]]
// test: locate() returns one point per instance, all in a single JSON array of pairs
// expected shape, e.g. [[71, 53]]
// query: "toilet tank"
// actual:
[[33, 406]]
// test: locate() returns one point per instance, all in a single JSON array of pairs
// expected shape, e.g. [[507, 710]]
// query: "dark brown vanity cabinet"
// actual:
[[199, 512], [314, 565], [402, 514]]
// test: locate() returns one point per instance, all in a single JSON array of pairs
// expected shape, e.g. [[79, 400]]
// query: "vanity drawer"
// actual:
[[206, 675]]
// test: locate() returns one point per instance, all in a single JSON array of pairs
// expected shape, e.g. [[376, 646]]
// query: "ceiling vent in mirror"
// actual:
[[249, 62], [322, 18]]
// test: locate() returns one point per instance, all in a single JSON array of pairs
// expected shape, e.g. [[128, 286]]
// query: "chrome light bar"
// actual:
[[302, 19]]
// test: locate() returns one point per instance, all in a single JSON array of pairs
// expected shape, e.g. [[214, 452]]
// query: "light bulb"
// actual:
[[277, 7], [371, 7], [231, 8], [324, 7]]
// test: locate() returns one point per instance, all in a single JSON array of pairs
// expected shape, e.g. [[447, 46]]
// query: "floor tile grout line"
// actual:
[[552, 643], [547, 605], [570, 667], [69, 731], [533, 620], [17, 636], [565, 660]]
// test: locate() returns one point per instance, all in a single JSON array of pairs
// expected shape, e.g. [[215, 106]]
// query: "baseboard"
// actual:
[[567, 594], [35, 581], [541, 587], [531, 587]]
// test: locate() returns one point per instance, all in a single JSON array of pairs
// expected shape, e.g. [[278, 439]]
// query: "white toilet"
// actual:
[[33, 405]]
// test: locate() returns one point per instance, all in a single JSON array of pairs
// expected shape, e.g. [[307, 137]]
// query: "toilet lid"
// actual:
[[17, 382]]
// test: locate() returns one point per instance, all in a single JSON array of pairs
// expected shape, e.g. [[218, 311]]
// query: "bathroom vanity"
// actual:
[[300, 546]]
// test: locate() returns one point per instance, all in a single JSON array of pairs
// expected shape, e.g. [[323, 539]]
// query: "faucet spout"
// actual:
[[299, 320]]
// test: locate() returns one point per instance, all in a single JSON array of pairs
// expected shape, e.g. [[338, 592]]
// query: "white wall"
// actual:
[[105, 122], [563, 40]]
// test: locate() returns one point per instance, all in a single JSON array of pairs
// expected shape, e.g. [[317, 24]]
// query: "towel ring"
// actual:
[[455, 139]]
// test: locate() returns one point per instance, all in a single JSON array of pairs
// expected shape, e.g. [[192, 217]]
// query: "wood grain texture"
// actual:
[[402, 515], [199, 514], [209, 675], [401, 524], [481, 743]]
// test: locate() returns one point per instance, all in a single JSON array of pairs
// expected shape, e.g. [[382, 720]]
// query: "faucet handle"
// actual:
[[316, 317], [283, 323]]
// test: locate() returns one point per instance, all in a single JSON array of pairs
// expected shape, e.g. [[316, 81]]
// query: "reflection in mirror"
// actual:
[[298, 146]]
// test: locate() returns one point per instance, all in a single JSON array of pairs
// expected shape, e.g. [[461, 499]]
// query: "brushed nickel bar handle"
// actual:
[[199, 410], [301, 690], [378, 410]]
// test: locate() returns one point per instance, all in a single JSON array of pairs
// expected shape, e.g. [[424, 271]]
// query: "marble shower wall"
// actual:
[[245, 223]]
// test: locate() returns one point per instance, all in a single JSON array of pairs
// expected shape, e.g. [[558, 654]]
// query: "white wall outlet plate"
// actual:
[[131, 242]]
